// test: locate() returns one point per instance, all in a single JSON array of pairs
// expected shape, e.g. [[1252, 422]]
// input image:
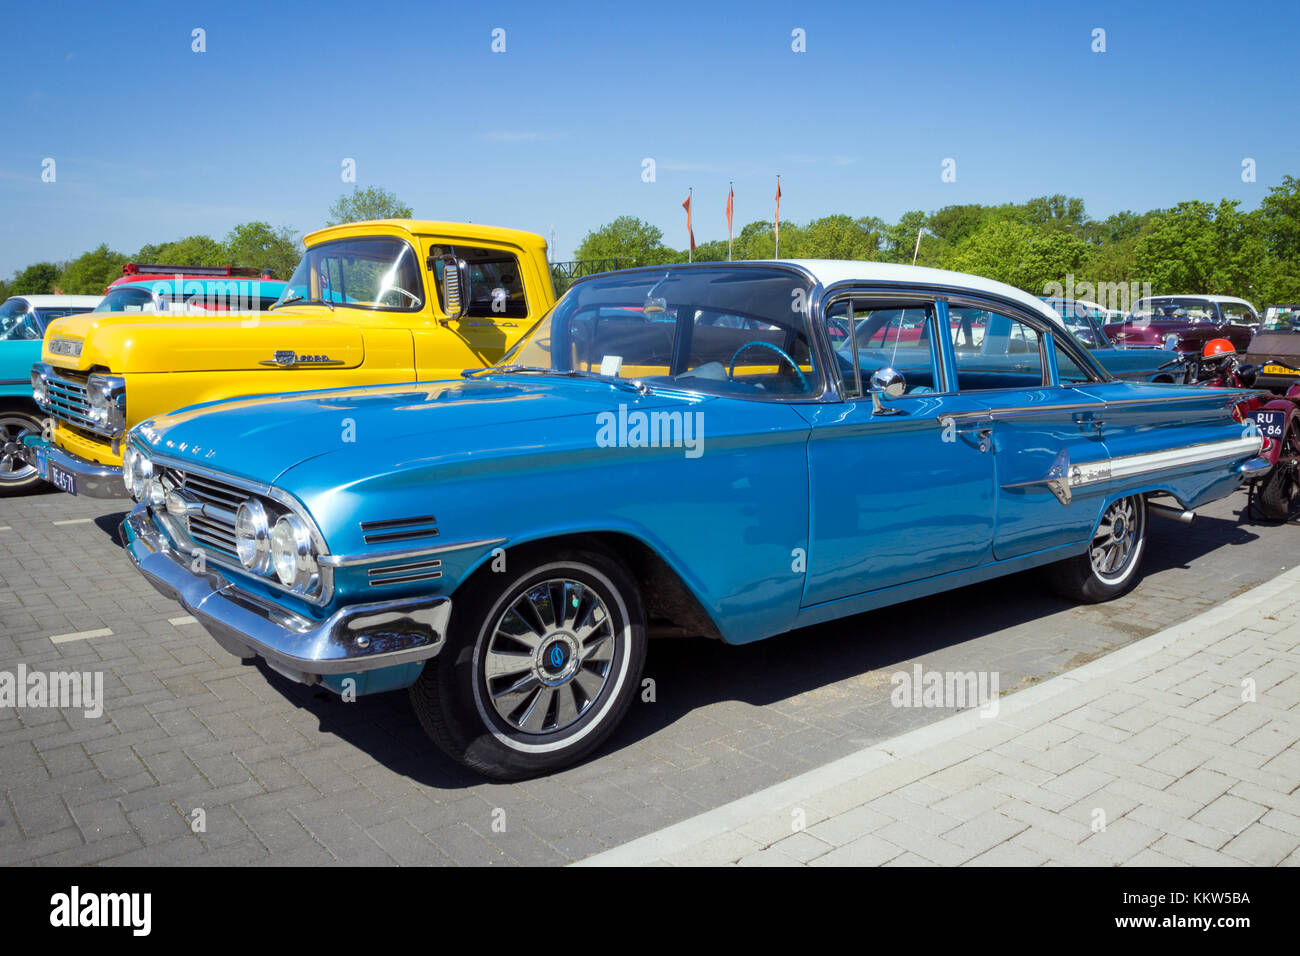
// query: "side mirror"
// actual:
[[890, 383], [454, 286]]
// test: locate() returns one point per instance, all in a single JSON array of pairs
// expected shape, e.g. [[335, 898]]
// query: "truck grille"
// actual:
[[214, 526], [68, 402]]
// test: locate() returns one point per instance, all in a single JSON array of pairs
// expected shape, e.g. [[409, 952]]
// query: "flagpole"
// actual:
[[731, 193], [777, 247], [917, 250], [690, 195]]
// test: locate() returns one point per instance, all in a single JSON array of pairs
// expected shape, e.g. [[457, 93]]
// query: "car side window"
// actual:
[[496, 285], [1068, 371], [897, 335], [994, 350]]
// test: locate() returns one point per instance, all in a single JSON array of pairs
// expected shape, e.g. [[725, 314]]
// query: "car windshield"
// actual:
[[372, 273], [1282, 318], [1078, 318], [723, 330], [18, 323], [128, 298], [1174, 309]]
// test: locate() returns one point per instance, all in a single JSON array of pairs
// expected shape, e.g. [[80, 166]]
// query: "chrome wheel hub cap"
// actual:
[[13, 466], [1112, 546], [549, 656]]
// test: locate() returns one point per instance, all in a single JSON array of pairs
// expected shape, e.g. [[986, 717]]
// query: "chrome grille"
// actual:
[[405, 573], [68, 401], [214, 525], [399, 529]]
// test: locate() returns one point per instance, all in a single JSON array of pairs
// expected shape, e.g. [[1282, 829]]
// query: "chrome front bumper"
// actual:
[[93, 479], [353, 639]]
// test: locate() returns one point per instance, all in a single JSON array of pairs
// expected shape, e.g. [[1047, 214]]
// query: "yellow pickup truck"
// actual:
[[393, 300]]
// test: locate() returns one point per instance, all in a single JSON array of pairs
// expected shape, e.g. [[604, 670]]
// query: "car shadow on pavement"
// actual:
[[694, 672], [111, 524]]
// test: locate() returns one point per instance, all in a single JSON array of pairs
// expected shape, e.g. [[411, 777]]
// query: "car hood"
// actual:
[[129, 342], [380, 426]]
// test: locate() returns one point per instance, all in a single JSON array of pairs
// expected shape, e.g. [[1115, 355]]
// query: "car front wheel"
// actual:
[[1111, 565], [540, 665], [17, 477]]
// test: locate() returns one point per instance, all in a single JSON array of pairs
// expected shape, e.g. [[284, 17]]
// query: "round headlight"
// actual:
[[137, 469], [39, 391], [1171, 341], [253, 536], [291, 553], [128, 468]]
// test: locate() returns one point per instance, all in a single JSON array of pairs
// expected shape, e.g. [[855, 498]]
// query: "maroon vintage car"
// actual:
[[1184, 323]]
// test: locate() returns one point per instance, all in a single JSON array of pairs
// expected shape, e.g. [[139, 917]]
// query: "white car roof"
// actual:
[[1194, 295], [830, 271], [58, 301]]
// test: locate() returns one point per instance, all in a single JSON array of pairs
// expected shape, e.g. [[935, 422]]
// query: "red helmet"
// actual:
[[1216, 347]]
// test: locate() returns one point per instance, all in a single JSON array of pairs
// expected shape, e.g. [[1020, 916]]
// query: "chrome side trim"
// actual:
[[1062, 477], [376, 557], [1025, 411]]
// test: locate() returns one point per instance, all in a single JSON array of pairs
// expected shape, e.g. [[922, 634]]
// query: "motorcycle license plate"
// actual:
[[1270, 424], [1277, 370]]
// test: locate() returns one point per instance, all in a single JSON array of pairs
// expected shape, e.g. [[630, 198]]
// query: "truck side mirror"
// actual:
[[454, 286]]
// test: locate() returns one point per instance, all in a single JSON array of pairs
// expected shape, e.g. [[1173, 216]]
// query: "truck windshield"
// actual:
[[381, 274]]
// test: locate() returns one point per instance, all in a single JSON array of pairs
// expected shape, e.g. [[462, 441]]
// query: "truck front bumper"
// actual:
[[71, 473], [352, 640]]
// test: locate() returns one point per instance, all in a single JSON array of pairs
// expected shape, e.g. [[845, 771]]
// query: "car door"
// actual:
[[892, 498], [1037, 430]]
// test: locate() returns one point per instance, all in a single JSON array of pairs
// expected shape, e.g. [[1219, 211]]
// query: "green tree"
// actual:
[[40, 278], [627, 237], [92, 271], [190, 251], [369, 203], [1198, 247], [256, 245]]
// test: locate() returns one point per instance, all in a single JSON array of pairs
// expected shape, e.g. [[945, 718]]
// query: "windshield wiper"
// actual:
[[637, 385], [500, 370], [293, 298]]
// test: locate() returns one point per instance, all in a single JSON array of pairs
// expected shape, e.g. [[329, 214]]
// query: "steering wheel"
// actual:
[[415, 299], [731, 372]]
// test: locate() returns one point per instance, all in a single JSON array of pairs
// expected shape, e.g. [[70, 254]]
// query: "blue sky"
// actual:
[[153, 141]]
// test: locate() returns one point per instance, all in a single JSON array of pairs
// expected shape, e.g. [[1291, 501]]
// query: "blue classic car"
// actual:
[[736, 449], [23, 319]]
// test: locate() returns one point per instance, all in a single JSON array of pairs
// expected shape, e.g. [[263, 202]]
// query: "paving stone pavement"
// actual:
[[285, 774], [1182, 749]]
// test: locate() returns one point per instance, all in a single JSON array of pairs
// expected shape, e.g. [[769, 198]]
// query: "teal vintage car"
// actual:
[[732, 449], [23, 319]]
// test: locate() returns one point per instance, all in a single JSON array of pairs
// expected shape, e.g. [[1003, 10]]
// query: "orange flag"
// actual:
[[731, 196], [687, 206]]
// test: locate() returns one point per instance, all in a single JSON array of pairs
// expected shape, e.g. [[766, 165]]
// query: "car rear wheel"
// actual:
[[17, 477], [540, 665], [1111, 565]]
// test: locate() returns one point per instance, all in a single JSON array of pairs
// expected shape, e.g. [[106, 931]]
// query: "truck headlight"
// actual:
[[292, 554], [40, 388], [253, 536], [107, 397]]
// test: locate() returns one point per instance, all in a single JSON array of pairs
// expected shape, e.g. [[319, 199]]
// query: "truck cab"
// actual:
[[377, 302]]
